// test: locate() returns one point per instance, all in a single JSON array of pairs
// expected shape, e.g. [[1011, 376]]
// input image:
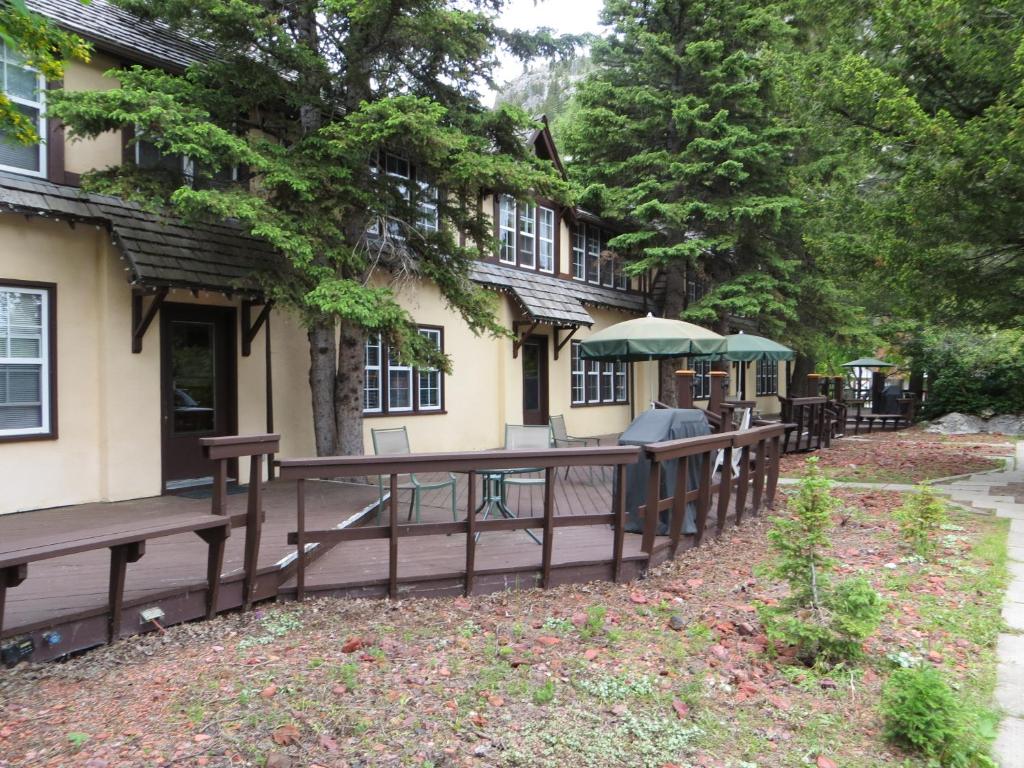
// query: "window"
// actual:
[[426, 205], [526, 234], [597, 383], [593, 255], [25, 88], [27, 315], [701, 379], [507, 229], [547, 240], [389, 386], [578, 376], [767, 377], [579, 252], [147, 155], [430, 378], [407, 185]]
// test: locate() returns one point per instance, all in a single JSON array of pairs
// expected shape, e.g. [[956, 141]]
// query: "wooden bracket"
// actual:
[[517, 344], [249, 328], [563, 342], [141, 320]]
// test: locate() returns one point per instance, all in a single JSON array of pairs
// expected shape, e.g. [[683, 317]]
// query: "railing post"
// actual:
[[704, 495], [724, 488], [549, 526], [253, 530], [759, 475], [813, 384], [651, 512], [743, 482], [719, 381], [619, 508], [684, 389], [120, 556], [773, 471], [220, 487], [300, 540], [679, 503], [470, 531], [393, 540]]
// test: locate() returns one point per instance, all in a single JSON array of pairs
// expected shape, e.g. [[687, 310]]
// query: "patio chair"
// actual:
[[563, 440], [394, 441], [526, 436]]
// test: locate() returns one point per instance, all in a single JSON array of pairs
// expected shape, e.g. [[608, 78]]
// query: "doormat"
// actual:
[[206, 491]]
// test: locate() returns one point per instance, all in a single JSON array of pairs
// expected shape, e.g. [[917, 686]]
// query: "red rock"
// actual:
[[591, 653], [682, 710], [548, 640], [824, 762], [935, 657], [637, 598], [269, 692], [352, 645]]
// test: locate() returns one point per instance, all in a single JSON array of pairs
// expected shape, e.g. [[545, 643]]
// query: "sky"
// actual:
[[563, 16]]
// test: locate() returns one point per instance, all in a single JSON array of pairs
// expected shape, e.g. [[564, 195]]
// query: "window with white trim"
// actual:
[[429, 379], [26, 361], [579, 252], [701, 379], [507, 229], [597, 383], [579, 375], [407, 183], [390, 386], [527, 235], [546, 219], [767, 377], [26, 90], [593, 255]]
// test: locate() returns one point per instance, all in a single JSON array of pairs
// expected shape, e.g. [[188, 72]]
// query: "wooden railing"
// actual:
[[470, 463], [809, 421], [758, 474]]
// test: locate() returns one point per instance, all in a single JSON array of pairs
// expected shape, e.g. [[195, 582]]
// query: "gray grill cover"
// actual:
[[654, 426]]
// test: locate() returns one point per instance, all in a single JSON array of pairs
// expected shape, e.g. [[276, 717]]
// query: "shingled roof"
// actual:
[[551, 300], [160, 250], [115, 30]]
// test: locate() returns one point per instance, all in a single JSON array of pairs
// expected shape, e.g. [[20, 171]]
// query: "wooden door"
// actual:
[[535, 380], [197, 382]]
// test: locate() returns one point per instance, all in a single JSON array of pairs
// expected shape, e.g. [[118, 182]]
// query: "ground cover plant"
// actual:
[[908, 456], [592, 675]]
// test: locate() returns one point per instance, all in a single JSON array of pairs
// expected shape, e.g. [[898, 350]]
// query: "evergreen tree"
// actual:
[[675, 136], [307, 96]]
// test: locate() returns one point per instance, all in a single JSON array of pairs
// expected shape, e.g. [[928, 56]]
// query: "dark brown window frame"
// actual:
[[556, 243], [51, 349], [415, 410], [601, 373]]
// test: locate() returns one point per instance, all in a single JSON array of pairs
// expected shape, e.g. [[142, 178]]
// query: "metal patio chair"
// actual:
[[562, 439], [526, 436], [394, 441]]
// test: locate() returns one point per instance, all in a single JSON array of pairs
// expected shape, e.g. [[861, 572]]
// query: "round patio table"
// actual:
[[493, 495]]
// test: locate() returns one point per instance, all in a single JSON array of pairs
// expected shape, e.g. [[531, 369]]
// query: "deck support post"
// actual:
[[619, 508], [549, 526], [470, 531], [651, 512], [120, 556], [773, 471], [10, 577], [253, 530], [393, 540], [679, 503], [684, 389], [724, 488], [300, 540], [704, 495], [215, 538]]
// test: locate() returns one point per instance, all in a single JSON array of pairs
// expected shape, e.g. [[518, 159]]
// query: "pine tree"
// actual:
[[307, 96], [674, 136]]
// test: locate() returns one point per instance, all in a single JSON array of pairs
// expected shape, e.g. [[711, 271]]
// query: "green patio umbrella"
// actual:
[[746, 347], [868, 362], [650, 338]]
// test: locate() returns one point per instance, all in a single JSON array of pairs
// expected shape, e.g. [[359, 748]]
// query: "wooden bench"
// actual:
[[127, 545]]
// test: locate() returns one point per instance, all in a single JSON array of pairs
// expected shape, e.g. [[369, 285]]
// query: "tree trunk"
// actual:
[[672, 307], [348, 390], [802, 366], [323, 353]]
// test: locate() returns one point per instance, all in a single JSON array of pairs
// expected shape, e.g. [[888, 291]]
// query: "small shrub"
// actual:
[[825, 621], [923, 713], [595, 621], [923, 513], [545, 694]]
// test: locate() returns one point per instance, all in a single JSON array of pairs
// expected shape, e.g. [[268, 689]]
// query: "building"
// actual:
[[125, 336]]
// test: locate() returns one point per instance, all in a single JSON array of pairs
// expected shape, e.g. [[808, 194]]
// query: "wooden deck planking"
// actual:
[[77, 583]]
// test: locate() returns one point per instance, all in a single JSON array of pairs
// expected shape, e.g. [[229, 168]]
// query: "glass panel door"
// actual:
[[194, 377]]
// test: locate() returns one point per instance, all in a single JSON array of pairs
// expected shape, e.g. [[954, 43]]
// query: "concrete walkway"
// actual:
[[1002, 493]]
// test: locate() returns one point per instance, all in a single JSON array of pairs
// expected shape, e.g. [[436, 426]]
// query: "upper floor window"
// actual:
[[413, 189], [25, 88], [26, 361], [526, 234], [593, 262], [390, 386], [147, 155], [696, 288], [767, 377]]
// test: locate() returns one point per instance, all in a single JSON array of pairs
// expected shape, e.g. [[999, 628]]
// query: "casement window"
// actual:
[[507, 229], [593, 255], [391, 387], [767, 377], [27, 364], [526, 234], [26, 90], [579, 252], [597, 383], [701, 379], [696, 288], [406, 181], [147, 155]]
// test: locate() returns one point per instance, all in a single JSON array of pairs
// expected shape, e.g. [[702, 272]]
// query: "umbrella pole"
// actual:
[[632, 391]]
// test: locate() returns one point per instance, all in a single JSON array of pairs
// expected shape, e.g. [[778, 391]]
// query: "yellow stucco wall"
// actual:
[[105, 150]]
